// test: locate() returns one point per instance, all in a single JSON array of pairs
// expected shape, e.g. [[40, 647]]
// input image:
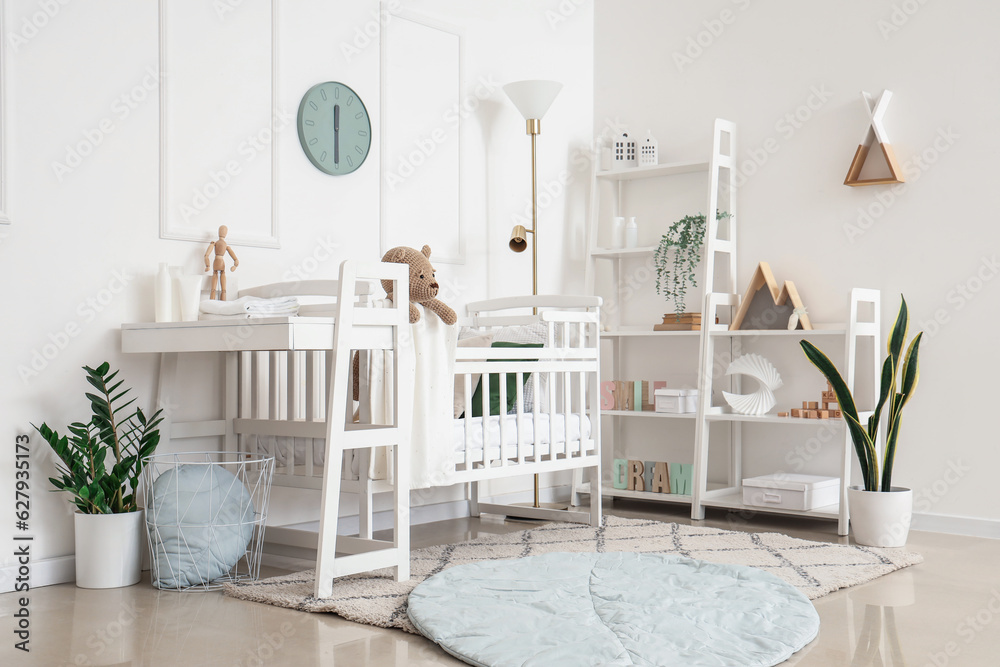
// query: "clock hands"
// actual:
[[336, 134]]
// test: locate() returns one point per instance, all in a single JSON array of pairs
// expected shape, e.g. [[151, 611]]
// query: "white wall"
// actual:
[[789, 74], [81, 253]]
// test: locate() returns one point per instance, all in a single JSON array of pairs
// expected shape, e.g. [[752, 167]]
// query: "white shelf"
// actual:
[[682, 498], [667, 169], [734, 501], [622, 253], [649, 413], [622, 333], [770, 419], [820, 330]]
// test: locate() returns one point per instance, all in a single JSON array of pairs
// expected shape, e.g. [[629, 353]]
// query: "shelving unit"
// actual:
[[716, 243], [730, 496], [721, 299]]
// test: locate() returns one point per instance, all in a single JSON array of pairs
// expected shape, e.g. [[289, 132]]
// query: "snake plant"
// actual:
[[99, 484], [892, 391]]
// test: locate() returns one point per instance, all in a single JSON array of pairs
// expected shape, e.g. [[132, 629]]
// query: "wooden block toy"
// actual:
[[812, 414], [813, 405], [636, 482], [618, 473], [836, 414], [648, 390], [647, 474], [796, 412], [782, 414], [608, 395], [628, 396], [661, 478], [680, 477], [824, 414], [805, 405]]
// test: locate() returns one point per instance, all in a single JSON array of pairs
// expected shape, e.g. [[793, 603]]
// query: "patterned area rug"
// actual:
[[815, 568]]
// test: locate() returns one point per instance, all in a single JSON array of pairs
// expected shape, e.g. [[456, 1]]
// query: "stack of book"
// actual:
[[686, 322]]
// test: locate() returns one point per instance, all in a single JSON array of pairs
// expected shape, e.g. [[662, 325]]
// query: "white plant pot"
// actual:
[[108, 549], [880, 519]]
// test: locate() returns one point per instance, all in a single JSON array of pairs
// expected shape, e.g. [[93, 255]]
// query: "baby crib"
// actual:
[[552, 424]]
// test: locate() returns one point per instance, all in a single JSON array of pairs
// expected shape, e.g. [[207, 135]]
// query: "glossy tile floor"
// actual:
[[945, 611]]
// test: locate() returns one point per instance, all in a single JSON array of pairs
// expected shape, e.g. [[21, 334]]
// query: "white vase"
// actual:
[[880, 519], [163, 304], [618, 232], [108, 549], [631, 233], [187, 291]]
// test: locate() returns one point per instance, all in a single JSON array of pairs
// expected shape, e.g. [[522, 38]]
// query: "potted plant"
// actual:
[[99, 465], [880, 512], [677, 257]]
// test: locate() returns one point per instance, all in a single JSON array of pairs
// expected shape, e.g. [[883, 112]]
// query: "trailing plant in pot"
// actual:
[[99, 466], [880, 512], [677, 257]]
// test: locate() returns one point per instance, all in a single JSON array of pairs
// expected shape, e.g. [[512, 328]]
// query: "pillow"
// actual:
[[494, 388], [531, 333], [200, 520], [482, 340]]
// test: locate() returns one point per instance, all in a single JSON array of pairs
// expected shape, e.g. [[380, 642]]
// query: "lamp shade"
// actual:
[[532, 98]]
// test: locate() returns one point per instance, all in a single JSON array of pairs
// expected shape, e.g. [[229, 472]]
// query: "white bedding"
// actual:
[[557, 434], [280, 447]]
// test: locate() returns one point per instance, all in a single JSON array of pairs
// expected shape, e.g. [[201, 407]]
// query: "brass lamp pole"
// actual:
[[532, 98]]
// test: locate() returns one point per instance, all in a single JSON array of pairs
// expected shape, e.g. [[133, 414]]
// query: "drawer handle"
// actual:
[[772, 498]]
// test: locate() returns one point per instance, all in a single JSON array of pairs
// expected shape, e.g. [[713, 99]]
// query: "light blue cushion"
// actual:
[[200, 519], [578, 609]]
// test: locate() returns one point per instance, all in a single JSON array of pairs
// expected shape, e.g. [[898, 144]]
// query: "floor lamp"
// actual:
[[532, 98]]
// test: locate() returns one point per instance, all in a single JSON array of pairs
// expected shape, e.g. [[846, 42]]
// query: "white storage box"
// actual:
[[790, 491], [677, 401]]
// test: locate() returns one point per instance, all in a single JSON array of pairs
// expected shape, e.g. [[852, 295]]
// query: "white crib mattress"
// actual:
[[554, 438]]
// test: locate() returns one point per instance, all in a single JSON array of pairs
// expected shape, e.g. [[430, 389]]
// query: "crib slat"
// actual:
[[582, 408], [536, 430], [567, 409], [503, 417], [553, 406], [246, 382], [484, 395], [468, 421], [520, 413]]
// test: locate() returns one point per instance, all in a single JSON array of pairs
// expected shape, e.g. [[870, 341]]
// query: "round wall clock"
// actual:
[[334, 128]]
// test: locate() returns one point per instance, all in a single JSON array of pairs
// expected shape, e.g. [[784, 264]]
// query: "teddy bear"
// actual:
[[423, 286], [423, 290]]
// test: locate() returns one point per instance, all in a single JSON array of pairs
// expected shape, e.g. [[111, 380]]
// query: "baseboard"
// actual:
[[45, 572], [956, 525]]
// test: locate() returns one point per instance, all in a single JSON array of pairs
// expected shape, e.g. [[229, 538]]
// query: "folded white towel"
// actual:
[[244, 317], [277, 307]]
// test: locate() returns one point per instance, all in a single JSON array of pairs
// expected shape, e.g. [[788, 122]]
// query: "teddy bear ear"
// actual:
[[396, 255], [426, 250]]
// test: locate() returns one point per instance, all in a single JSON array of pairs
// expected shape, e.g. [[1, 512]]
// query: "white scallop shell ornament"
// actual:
[[762, 370]]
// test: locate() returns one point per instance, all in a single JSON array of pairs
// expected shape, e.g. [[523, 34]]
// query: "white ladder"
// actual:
[[366, 329]]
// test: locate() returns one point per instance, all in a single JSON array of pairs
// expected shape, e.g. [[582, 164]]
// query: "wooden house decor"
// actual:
[[875, 132], [767, 306]]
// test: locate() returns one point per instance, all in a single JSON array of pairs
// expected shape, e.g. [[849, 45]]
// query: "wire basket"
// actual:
[[205, 517]]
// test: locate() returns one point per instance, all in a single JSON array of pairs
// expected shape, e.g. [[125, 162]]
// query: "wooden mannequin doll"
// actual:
[[218, 268]]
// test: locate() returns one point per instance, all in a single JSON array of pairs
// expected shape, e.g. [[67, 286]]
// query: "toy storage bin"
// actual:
[[205, 517], [791, 491], [677, 401]]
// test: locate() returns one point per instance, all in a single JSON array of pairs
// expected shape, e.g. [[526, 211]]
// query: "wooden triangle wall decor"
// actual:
[[874, 132], [763, 278]]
